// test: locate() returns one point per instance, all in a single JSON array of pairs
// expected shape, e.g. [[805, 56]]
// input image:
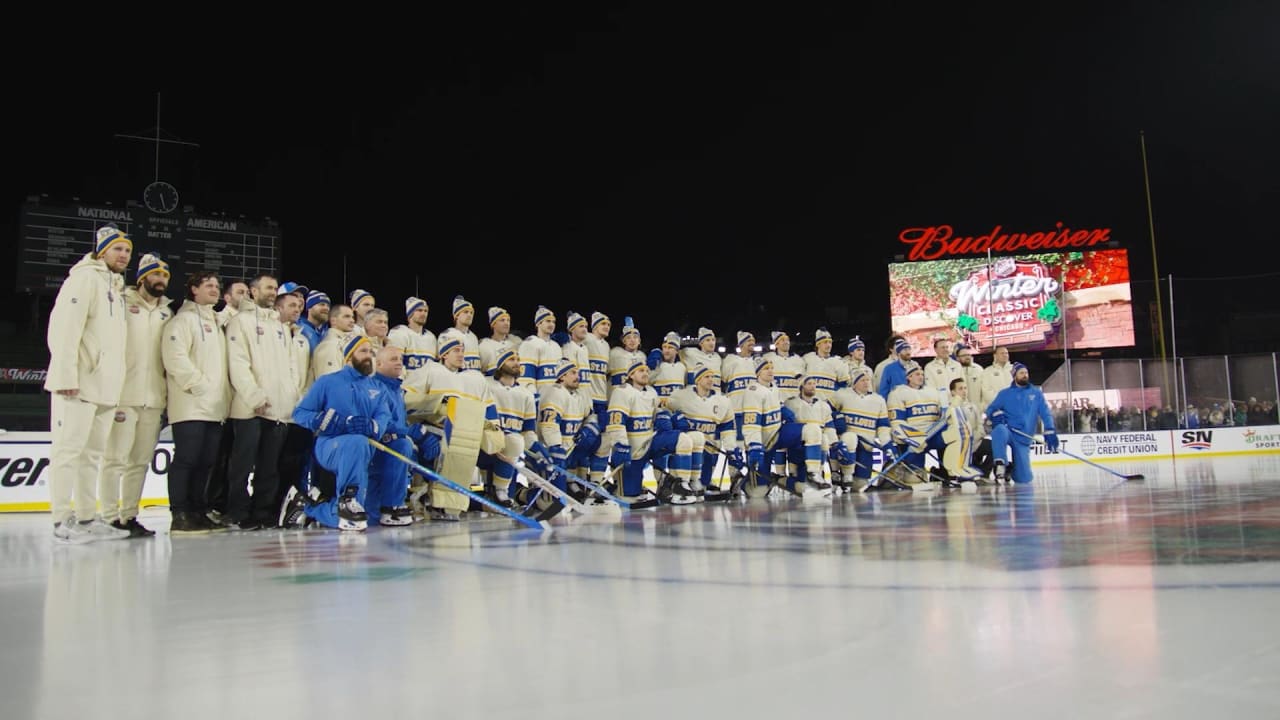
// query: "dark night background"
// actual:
[[506, 154]]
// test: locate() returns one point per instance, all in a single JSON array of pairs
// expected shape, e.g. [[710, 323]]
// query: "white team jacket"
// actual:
[[86, 335], [194, 351]]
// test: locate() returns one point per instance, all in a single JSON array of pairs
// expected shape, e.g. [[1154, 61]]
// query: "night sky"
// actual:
[[504, 155]]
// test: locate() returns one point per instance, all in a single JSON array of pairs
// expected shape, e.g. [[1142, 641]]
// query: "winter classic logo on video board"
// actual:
[[1031, 302]]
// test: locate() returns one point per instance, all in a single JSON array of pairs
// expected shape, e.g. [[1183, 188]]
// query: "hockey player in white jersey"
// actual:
[[464, 313], [813, 413], [668, 373], [565, 419], [639, 432], [862, 420], [705, 353], [831, 371], [622, 358], [576, 349], [539, 354], [739, 369], [500, 337], [517, 415], [597, 378], [700, 408], [788, 367], [768, 426], [856, 359], [417, 344], [597, 384], [914, 412]]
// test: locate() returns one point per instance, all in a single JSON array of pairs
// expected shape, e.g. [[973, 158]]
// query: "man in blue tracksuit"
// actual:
[[345, 409], [1017, 407]]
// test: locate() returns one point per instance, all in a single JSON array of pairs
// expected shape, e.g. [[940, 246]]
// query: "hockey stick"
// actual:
[[1133, 476], [568, 500], [436, 477], [876, 476], [598, 489]]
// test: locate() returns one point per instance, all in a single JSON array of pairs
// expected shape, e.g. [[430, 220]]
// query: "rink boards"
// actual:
[[24, 457]]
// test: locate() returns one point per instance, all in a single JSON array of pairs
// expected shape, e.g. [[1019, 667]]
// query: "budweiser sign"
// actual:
[[931, 243], [1014, 302]]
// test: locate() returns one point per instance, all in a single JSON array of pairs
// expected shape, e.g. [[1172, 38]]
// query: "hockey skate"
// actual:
[[351, 514], [398, 516], [999, 473], [293, 509], [645, 500]]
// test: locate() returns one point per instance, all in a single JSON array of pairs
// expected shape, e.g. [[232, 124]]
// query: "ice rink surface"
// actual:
[[1081, 596]]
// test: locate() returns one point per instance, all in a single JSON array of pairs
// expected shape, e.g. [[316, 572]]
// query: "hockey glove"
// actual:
[[888, 455], [680, 423], [788, 415], [654, 359], [362, 425], [1051, 441], [662, 421], [840, 423], [558, 455], [755, 455], [621, 455], [841, 453], [735, 459], [589, 433], [429, 448]]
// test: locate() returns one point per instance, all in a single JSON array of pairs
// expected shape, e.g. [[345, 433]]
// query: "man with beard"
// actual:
[[1017, 407], [232, 298], [132, 440], [86, 376], [345, 410], [260, 362], [315, 321]]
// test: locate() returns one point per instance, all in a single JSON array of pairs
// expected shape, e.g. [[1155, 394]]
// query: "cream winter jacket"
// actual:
[[194, 350], [86, 334], [259, 352], [144, 364]]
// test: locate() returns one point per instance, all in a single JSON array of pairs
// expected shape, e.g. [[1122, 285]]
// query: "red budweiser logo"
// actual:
[[931, 243]]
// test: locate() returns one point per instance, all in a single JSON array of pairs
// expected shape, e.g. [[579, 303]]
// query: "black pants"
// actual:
[[256, 447], [982, 456], [215, 492], [195, 444], [294, 458]]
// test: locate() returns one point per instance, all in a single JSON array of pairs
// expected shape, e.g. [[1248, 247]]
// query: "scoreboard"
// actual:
[[55, 235]]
